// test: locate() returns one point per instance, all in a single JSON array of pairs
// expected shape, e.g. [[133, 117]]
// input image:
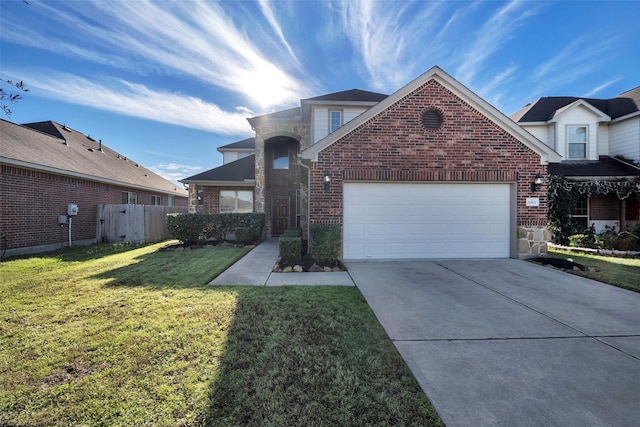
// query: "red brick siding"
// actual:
[[393, 146], [32, 201], [604, 207]]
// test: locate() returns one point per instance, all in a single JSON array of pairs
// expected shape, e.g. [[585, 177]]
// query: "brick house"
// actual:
[[599, 140], [47, 166], [430, 171]]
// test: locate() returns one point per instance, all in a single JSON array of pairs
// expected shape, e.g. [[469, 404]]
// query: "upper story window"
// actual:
[[577, 142], [129, 198], [281, 156], [335, 120]]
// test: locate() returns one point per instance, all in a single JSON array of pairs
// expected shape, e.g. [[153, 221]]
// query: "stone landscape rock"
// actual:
[[327, 269], [315, 268], [287, 269], [297, 269]]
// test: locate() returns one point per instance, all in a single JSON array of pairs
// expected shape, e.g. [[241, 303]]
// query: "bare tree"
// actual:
[[9, 95]]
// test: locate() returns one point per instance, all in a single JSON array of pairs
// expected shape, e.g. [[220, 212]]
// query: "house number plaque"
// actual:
[[533, 201]]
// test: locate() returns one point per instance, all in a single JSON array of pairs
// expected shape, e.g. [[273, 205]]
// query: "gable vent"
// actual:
[[431, 119]]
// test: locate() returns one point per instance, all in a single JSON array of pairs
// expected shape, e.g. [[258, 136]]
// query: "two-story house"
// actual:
[[430, 171], [599, 141]]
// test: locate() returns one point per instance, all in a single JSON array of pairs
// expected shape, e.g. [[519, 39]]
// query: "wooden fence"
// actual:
[[134, 223]]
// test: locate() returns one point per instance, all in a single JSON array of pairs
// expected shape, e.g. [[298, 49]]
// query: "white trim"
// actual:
[[63, 172], [436, 73], [580, 103], [628, 116], [586, 141]]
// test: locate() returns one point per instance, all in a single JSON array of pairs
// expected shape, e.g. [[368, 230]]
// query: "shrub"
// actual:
[[186, 228], [292, 232], [244, 235], [190, 227], [581, 241], [607, 239], [325, 243], [290, 249]]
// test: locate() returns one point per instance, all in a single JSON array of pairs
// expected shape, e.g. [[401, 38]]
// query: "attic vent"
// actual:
[[89, 138], [432, 119], [64, 127]]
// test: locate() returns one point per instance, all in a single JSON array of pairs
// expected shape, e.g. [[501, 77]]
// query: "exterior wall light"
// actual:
[[326, 180], [537, 183]]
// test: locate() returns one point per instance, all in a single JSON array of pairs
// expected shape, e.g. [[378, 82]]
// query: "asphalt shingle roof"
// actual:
[[51, 146], [236, 171], [605, 166], [249, 143], [543, 109], [350, 95]]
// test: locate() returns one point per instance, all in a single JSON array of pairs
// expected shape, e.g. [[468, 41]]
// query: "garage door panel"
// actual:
[[406, 221]]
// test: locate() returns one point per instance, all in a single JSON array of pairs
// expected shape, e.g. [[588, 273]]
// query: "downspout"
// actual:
[[308, 202]]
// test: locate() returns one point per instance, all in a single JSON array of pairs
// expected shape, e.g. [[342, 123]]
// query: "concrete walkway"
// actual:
[[506, 342], [256, 267]]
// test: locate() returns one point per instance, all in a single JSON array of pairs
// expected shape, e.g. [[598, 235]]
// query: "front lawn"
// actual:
[[121, 335], [622, 272]]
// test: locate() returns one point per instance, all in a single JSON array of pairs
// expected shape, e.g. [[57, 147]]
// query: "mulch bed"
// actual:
[[308, 264], [563, 264]]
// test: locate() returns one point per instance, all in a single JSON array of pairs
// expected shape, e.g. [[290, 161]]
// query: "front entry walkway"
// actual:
[[256, 267], [506, 342]]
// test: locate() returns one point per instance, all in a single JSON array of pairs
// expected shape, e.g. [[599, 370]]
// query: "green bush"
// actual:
[[292, 232], [607, 239], [190, 227], [244, 235], [186, 227], [290, 249], [581, 241], [326, 241]]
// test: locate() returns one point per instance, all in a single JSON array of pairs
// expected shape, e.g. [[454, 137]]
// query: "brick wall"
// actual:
[[604, 207], [394, 146], [32, 201]]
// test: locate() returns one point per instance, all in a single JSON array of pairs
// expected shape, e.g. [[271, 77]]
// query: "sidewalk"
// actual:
[[255, 269]]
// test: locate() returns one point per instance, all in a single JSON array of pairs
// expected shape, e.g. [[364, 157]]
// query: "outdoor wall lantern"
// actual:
[[537, 182], [326, 180]]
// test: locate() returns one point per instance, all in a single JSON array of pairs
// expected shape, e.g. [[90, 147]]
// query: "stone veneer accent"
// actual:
[[532, 240]]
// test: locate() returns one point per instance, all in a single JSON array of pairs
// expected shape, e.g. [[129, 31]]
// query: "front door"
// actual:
[[280, 213]]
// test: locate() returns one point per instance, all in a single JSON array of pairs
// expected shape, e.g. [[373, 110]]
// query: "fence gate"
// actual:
[[134, 223]]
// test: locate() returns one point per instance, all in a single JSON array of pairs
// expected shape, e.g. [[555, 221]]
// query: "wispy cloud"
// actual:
[[601, 87], [492, 36], [271, 18], [383, 34], [175, 171], [195, 38], [137, 100]]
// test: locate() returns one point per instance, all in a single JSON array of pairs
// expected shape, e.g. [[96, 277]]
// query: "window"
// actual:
[[129, 198], [335, 120], [169, 200], [200, 196], [236, 201], [281, 156], [156, 200], [580, 215], [577, 142]]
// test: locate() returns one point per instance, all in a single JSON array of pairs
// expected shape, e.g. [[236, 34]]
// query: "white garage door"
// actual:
[[410, 221]]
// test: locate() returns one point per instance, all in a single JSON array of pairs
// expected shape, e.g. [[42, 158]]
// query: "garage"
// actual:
[[423, 221]]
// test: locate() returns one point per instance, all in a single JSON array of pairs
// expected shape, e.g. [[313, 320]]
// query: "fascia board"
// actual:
[[628, 116], [246, 183], [239, 150], [342, 103], [63, 172], [546, 153]]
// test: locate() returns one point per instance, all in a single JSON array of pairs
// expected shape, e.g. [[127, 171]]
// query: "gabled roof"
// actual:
[[436, 73], [244, 145], [605, 167], [239, 172], [55, 148], [545, 108]]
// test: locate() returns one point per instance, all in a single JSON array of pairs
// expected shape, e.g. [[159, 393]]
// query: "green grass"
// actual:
[[121, 335], [622, 272]]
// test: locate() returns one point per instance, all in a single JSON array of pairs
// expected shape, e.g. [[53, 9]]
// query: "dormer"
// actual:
[[237, 150]]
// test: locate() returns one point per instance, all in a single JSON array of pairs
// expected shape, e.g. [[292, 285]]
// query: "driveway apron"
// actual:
[[506, 342]]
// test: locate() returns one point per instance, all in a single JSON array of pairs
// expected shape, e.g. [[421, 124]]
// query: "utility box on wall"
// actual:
[[72, 209]]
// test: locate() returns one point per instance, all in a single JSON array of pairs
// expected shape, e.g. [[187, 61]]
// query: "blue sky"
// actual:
[[167, 82]]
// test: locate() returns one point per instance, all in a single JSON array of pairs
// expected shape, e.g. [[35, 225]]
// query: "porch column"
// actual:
[[260, 179]]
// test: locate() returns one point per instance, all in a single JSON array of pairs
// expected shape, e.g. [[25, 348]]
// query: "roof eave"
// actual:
[[212, 183], [626, 117], [34, 166]]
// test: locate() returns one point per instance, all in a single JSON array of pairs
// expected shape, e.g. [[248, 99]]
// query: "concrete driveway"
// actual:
[[506, 342]]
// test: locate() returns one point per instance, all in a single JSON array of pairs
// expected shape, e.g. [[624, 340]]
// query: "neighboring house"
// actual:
[[47, 166], [431, 171], [599, 141]]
